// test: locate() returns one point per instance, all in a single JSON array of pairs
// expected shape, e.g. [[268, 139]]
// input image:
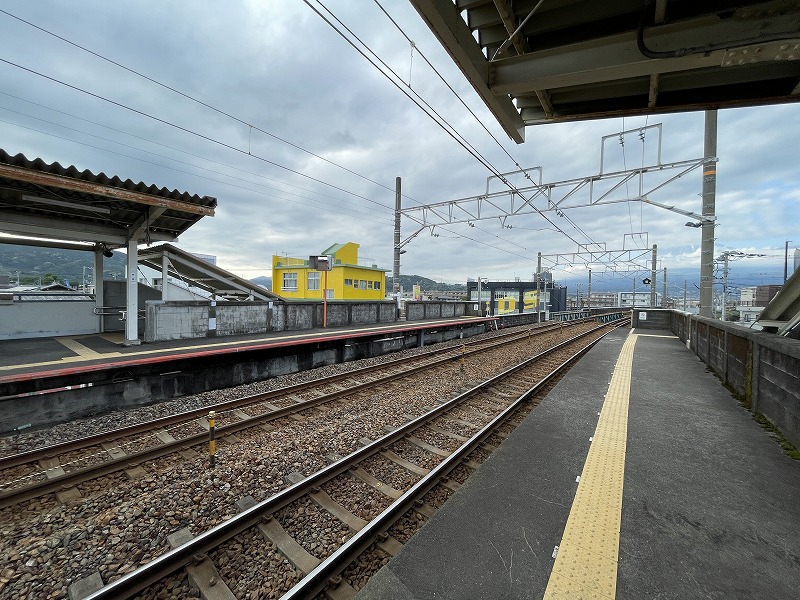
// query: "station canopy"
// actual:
[[68, 208], [548, 61]]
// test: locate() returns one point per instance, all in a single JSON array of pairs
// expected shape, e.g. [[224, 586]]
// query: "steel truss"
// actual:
[[548, 197], [615, 260]]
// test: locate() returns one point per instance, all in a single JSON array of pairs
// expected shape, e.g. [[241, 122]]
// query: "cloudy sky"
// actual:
[[338, 133]]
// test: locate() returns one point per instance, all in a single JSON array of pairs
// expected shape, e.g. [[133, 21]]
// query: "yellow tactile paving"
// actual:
[[77, 347], [672, 337], [586, 563]]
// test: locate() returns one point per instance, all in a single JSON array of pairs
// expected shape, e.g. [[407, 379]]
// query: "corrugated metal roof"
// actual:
[[50, 200], [37, 164], [566, 60]]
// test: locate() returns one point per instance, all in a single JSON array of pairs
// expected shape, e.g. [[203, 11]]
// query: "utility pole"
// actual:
[[786, 261], [653, 277], [538, 287], [685, 282], [709, 210], [725, 258], [589, 291], [664, 292], [396, 266]]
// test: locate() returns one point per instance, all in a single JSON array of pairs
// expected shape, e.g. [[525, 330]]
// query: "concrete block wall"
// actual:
[[649, 318], [175, 321], [517, 319], [419, 310], [762, 369], [193, 319], [242, 318]]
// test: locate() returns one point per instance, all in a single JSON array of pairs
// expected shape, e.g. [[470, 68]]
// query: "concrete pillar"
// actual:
[[132, 297], [164, 277], [653, 277], [709, 210], [98, 288]]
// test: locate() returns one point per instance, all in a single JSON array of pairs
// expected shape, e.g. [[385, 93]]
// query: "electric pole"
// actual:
[[396, 266], [709, 210]]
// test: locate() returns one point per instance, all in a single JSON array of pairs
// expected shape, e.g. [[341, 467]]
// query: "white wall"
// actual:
[[47, 318]]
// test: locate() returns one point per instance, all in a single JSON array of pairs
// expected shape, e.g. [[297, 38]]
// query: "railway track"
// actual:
[[59, 468], [325, 531]]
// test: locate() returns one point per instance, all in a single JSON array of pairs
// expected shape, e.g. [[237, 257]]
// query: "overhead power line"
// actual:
[[192, 174], [116, 142], [193, 99], [474, 116], [432, 114], [189, 131]]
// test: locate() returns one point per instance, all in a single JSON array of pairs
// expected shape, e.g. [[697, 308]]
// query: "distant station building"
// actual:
[[638, 299], [349, 277], [753, 300], [509, 297]]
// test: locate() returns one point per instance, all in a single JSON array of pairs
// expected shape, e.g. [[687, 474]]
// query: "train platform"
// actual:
[[638, 476], [43, 357]]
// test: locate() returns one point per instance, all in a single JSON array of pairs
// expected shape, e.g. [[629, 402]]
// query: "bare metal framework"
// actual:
[[614, 260], [554, 196]]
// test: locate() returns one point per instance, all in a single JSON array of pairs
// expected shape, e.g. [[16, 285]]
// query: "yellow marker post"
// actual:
[[212, 442]]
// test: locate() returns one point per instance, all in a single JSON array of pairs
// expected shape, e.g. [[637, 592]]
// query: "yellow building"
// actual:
[[292, 278]]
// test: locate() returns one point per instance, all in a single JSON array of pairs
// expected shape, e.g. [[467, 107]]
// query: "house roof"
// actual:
[[333, 249]]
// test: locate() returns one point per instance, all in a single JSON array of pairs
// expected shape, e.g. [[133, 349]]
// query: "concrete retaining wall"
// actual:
[[113, 388], [420, 310], [186, 319], [763, 370]]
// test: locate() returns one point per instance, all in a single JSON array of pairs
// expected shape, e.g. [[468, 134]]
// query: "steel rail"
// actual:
[[22, 458], [138, 580], [324, 574], [62, 482]]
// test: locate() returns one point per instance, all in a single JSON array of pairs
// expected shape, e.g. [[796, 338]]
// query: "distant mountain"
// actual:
[[409, 281], [54, 264], [265, 282]]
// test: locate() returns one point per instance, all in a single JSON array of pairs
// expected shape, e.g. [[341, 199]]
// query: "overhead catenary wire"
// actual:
[[190, 173], [189, 131], [163, 145], [348, 209], [443, 124], [249, 125], [223, 144], [471, 112], [193, 99], [449, 87]]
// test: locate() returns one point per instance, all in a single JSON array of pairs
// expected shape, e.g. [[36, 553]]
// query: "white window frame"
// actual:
[[289, 278], [313, 281]]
